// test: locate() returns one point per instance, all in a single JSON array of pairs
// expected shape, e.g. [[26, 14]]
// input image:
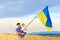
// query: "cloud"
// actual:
[[9, 24], [10, 8], [21, 8], [54, 11]]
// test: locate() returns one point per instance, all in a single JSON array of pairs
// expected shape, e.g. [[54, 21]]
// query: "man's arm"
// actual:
[[17, 33]]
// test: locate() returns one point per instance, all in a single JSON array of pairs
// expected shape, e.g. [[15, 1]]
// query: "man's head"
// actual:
[[18, 24], [23, 24]]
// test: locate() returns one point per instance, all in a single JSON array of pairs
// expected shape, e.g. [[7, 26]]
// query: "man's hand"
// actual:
[[18, 33]]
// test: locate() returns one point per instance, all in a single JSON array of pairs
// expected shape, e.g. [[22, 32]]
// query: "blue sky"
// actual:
[[21, 8]]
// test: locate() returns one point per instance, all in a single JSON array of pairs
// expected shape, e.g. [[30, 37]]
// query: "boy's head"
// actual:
[[18, 24], [23, 24]]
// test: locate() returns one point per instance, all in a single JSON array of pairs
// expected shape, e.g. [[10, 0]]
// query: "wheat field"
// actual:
[[7, 36]]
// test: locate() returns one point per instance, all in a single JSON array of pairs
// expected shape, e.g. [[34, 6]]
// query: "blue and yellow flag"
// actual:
[[44, 17]]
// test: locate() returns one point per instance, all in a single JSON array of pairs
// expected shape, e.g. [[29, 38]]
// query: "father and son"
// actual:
[[21, 30]]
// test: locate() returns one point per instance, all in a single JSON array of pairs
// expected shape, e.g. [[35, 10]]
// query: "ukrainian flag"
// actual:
[[44, 17]]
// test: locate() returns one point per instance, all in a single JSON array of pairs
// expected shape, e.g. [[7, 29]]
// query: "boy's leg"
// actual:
[[21, 36], [24, 33]]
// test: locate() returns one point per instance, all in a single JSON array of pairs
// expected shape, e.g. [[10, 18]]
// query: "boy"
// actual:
[[23, 29]]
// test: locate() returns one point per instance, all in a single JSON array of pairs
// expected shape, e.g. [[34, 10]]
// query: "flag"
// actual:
[[44, 17]]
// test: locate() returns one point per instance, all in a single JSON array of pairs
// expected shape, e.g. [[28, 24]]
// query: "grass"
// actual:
[[27, 37]]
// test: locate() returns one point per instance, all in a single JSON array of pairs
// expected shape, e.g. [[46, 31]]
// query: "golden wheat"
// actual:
[[27, 37]]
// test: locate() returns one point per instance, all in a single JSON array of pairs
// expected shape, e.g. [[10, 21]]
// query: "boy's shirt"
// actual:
[[23, 29]]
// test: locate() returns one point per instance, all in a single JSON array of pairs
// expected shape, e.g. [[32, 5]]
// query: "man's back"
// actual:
[[18, 31]]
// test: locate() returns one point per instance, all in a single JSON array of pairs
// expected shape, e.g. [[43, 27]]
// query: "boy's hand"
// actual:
[[25, 28]]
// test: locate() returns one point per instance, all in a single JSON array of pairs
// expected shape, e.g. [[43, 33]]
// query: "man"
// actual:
[[19, 31]]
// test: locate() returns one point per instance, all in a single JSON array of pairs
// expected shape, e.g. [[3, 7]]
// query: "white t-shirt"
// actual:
[[23, 29]]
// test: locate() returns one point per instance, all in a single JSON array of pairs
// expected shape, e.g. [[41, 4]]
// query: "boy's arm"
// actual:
[[24, 28]]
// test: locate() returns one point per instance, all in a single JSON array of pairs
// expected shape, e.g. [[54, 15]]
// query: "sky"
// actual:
[[21, 8], [13, 11]]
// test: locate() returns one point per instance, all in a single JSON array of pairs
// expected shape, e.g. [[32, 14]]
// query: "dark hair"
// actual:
[[18, 23]]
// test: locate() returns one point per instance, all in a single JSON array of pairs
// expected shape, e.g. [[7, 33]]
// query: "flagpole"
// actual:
[[29, 24], [31, 21]]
